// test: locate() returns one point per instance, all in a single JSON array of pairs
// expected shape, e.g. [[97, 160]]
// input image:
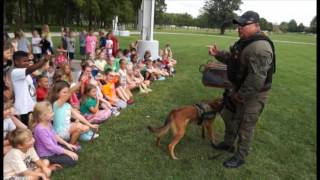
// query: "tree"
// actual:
[[136, 4], [313, 25], [96, 13], [202, 20], [159, 9], [283, 27], [221, 12], [292, 26], [269, 26], [300, 28], [263, 24]]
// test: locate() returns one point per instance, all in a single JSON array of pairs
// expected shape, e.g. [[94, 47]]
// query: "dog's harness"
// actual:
[[205, 112]]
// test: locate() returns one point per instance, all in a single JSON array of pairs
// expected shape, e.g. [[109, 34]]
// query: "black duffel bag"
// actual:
[[214, 74]]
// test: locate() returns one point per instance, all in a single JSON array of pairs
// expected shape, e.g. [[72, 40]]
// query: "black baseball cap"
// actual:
[[246, 18]]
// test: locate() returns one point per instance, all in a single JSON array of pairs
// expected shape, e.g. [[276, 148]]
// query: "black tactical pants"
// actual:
[[246, 116]]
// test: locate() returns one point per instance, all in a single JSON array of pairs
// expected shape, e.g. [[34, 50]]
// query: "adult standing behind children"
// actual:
[[46, 34], [102, 39], [71, 45], [82, 42], [64, 33], [36, 46], [116, 44], [109, 45], [91, 43], [23, 87], [24, 43]]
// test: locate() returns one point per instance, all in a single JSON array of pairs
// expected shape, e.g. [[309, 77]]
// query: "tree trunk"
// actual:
[[33, 13], [26, 12], [20, 13], [44, 13], [67, 14], [222, 29], [4, 13], [90, 22], [78, 19]]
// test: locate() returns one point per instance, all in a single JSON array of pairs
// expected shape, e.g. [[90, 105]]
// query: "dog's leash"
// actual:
[[92, 137], [231, 146]]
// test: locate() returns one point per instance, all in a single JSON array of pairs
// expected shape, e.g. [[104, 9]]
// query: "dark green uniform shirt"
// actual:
[[257, 57]]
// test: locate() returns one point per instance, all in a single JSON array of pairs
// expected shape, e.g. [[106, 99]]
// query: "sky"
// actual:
[[275, 11]]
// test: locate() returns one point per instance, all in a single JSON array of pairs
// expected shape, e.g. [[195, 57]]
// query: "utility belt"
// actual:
[[227, 102]]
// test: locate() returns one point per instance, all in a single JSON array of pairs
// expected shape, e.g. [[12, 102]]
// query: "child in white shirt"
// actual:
[[22, 161], [23, 87]]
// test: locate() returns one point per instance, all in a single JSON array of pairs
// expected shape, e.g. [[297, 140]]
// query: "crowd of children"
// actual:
[[47, 110]]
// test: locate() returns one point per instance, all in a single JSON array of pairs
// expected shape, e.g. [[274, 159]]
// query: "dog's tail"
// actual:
[[160, 131]]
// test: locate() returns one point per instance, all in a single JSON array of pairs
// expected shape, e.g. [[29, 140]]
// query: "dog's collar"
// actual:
[[205, 112]]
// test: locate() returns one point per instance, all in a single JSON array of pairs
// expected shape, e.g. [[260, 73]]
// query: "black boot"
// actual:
[[233, 162], [223, 146]]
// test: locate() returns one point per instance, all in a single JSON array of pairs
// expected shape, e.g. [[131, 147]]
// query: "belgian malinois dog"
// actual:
[[179, 118]]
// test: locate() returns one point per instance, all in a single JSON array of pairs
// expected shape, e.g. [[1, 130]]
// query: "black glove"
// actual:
[[229, 104]]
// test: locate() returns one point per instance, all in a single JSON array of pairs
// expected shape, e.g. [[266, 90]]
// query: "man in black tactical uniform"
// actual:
[[250, 66]]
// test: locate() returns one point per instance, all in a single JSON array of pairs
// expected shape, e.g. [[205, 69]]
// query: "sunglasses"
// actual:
[[244, 25]]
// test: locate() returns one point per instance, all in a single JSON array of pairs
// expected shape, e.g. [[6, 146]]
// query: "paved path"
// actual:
[[76, 69], [57, 34]]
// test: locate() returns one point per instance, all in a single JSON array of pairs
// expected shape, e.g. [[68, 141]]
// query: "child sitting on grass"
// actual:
[[22, 161], [90, 106], [133, 62], [109, 91], [61, 57], [167, 64], [42, 89], [152, 73], [168, 51], [123, 91], [46, 140], [10, 123], [133, 82], [147, 56], [67, 73], [113, 64], [50, 72], [104, 103], [100, 61], [160, 69], [63, 112]]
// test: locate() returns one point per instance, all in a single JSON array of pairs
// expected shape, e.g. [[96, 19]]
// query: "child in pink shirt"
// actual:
[[91, 42]]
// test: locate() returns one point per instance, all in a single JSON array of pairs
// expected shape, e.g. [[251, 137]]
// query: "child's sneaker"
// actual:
[[130, 101], [115, 113], [149, 90], [161, 78], [96, 135], [78, 147], [143, 91]]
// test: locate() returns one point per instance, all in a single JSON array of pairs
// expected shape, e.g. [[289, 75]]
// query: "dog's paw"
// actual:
[[175, 158]]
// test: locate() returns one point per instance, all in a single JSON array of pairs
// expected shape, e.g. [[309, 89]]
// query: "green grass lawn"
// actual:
[[284, 146]]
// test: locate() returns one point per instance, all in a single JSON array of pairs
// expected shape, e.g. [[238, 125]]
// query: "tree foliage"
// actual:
[[221, 12], [176, 19], [160, 8], [313, 25], [300, 28], [97, 13], [265, 25], [284, 26], [292, 26]]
